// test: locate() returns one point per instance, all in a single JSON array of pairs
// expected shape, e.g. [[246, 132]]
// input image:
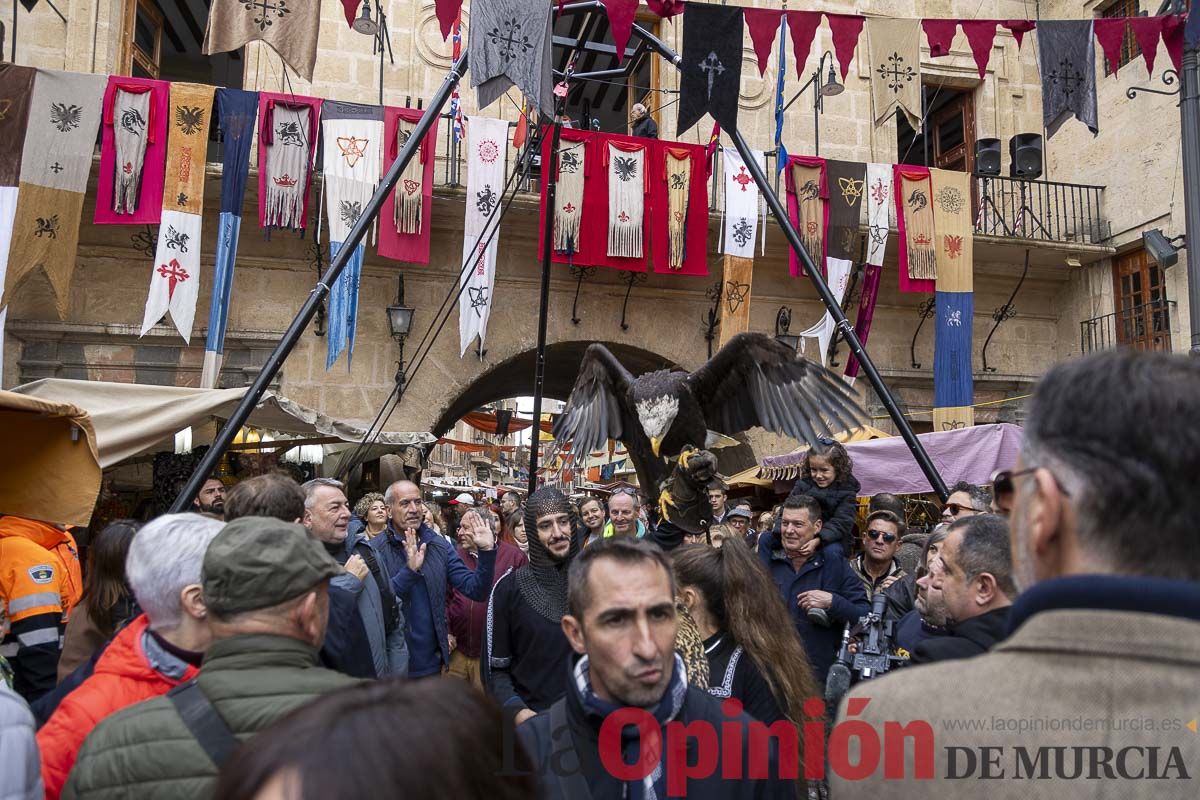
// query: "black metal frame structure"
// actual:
[[275, 360]]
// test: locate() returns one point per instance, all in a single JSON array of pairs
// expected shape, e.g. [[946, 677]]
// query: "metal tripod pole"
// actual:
[[275, 361]]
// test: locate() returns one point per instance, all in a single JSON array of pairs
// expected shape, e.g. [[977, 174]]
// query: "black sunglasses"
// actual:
[[955, 509], [1003, 487], [888, 538]]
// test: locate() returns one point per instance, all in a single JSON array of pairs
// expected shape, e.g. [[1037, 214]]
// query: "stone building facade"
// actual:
[[1131, 169]]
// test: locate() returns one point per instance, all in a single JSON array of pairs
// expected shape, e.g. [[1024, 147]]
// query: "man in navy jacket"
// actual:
[[422, 565], [815, 581]]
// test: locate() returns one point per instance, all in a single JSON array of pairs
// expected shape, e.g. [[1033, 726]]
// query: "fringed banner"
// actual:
[[741, 204], [395, 243], [679, 178], [807, 192], [627, 187], [352, 144], [133, 152], [879, 193], [287, 148], [847, 184], [175, 288], [487, 155], [914, 219], [16, 89], [237, 111], [55, 162], [408, 195], [736, 285], [568, 196]]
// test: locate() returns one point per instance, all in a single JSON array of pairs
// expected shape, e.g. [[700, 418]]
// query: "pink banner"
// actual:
[[154, 164], [410, 247]]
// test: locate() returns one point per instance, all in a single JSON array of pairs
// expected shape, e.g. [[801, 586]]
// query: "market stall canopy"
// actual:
[[50, 471], [886, 465], [131, 418], [787, 466]]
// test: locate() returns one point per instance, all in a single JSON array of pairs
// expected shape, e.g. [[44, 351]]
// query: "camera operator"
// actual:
[[818, 586]]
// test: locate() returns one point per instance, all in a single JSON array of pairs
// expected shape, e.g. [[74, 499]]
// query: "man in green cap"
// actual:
[[266, 588]]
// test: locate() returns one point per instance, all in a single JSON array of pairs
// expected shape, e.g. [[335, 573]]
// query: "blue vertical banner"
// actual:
[[237, 110]]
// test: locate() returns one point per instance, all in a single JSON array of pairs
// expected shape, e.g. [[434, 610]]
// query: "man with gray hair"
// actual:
[[158, 650], [327, 517], [1096, 680]]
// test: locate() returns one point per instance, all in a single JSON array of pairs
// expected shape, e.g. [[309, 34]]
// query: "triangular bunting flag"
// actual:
[[1172, 36], [447, 14], [940, 34], [846, 29], [1018, 28], [763, 25], [802, 25], [620, 22], [1147, 31], [981, 34], [1110, 33], [712, 65]]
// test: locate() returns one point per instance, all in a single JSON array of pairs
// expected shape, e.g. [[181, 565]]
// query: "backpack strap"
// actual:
[[573, 784], [203, 721]]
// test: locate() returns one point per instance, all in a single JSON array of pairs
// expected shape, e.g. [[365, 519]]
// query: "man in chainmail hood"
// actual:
[[526, 647]]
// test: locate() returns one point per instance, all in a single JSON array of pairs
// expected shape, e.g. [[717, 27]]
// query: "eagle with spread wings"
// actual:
[[754, 380]]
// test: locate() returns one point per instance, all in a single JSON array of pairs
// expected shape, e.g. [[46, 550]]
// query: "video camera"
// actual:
[[874, 640]]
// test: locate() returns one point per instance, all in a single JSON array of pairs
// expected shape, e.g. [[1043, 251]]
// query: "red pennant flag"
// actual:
[[939, 33], [351, 8], [763, 24], [522, 130], [1110, 32], [666, 8], [1147, 31], [710, 152], [1172, 35], [802, 25], [1018, 28], [620, 20], [980, 33], [447, 14], [846, 29]]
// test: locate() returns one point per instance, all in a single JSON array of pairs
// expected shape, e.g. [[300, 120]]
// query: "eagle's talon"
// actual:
[[665, 503], [685, 455]]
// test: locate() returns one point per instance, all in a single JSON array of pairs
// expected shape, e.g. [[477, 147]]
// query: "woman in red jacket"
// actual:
[[156, 651]]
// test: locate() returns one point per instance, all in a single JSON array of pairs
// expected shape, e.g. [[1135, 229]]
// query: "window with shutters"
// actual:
[[1129, 45], [1143, 313]]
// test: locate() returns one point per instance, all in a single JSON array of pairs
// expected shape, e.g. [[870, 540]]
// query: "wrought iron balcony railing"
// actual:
[[1045, 211], [1144, 327]]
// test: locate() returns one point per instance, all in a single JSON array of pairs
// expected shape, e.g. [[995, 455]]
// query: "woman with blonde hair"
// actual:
[[371, 513]]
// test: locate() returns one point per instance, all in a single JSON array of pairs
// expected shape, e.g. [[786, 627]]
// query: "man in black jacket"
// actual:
[[977, 588], [622, 622]]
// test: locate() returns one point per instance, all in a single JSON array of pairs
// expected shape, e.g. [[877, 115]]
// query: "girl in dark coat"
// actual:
[[827, 476]]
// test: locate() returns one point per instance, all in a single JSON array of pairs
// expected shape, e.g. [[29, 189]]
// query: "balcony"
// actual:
[[1144, 327]]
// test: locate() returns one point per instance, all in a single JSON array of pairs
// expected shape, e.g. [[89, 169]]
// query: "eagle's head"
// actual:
[[656, 401]]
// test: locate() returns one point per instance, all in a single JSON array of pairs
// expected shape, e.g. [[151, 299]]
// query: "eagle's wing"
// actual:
[[756, 380], [598, 408]]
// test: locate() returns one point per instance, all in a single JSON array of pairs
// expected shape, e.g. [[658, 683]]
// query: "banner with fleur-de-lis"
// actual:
[[568, 196], [289, 26], [175, 273], [627, 186], [894, 51], [509, 45]]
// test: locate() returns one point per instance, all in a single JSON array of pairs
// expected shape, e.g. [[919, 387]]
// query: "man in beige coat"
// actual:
[[1096, 690]]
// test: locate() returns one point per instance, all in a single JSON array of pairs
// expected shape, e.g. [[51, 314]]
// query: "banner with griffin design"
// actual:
[[741, 205], [133, 152], [914, 223], [287, 150], [807, 193]]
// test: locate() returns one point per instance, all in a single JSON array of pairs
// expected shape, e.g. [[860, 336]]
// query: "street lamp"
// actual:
[[364, 24], [831, 88], [783, 321], [400, 322]]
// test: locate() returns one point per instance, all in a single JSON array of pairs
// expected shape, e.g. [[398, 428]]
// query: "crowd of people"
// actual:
[[279, 642]]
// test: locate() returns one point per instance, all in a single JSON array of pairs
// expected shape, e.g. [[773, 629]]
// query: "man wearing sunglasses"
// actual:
[[965, 500], [876, 566], [1102, 654]]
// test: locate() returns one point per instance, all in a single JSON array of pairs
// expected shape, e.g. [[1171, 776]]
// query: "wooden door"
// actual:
[[953, 128], [1143, 316]]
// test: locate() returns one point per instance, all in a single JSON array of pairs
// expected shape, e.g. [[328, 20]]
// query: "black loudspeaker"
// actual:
[[987, 157], [1025, 154], [1160, 249]]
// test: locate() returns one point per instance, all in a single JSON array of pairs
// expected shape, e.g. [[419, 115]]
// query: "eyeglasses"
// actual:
[[1003, 486], [888, 538], [955, 509]]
